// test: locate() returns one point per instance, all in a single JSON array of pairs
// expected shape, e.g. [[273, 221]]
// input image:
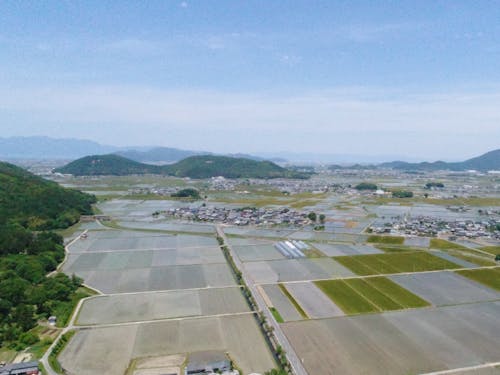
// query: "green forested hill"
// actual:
[[114, 165], [203, 166], [29, 203], [36, 203], [206, 166], [485, 162]]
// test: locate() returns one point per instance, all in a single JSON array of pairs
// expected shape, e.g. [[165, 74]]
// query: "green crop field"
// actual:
[[437, 243], [489, 277], [388, 263], [403, 297], [494, 250], [388, 240], [345, 297], [374, 294], [465, 253], [474, 258]]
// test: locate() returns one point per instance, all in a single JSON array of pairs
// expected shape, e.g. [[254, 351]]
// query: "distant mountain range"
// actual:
[[43, 148], [199, 166], [486, 162], [68, 148], [49, 148]]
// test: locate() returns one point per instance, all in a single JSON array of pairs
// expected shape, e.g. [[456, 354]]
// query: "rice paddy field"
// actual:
[[129, 280], [109, 350], [115, 261], [313, 301], [340, 249], [364, 304], [445, 288], [366, 295], [399, 342], [108, 240], [251, 253], [164, 294], [123, 308], [296, 270], [489, 277], [281, 303], [390, 263]]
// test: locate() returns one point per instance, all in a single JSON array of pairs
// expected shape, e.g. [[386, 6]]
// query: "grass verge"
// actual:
[[61, 344], [65, 310], [276, 315]]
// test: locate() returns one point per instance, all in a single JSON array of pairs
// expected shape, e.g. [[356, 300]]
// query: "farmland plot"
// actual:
[[109, 350], [444, 288], [402, 342], [132, 240], [451, 258], [314, 302], [363, 295], [158, 278], [388, 263], [251, 253], [345, 249], [296, 270], [162, 305], [281, 303]]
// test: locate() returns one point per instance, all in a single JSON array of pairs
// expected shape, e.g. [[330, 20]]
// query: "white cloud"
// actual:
[[344, 120], [183, 4]]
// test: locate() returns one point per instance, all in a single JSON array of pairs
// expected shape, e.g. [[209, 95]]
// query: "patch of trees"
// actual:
[[276, 372], [431, 185], [366, 186], [187, 193], [26, 294], [29, 207], [402, 194]]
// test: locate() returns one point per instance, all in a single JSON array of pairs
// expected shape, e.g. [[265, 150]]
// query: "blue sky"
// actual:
[[419, 79]]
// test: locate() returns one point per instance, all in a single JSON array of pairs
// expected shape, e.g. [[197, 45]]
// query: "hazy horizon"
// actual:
[[419, 80]]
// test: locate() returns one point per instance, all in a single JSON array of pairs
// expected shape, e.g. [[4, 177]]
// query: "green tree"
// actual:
[[366, 186], [312, 216], [322, 218], [23, 315]]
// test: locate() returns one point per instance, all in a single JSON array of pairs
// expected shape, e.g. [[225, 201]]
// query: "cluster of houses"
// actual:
[[209, 363], [23, 368], [430, 226], [244, 216]]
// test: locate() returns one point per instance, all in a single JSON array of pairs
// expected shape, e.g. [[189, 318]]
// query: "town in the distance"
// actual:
[[164, 261]]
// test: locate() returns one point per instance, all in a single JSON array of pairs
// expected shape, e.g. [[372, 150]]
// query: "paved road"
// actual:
[[491, 365], [70, 326], [294, 360]]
